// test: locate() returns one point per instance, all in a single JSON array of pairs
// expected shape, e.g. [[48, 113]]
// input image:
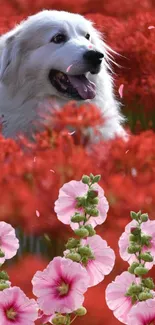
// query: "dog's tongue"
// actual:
[[85, 88]]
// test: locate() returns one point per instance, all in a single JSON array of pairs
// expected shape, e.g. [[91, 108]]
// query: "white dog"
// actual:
[[54, 55]]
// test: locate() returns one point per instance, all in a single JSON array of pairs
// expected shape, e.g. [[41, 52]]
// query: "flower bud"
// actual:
[[134, 289], [92, 194], [92, 211], [95, 201], [72, 243], [132, 249], [133, 238], [91, 230], [78, 217], [81, 311], [140, 270], [136, 231], [75, 257], [81, 201], [132, 267], [85, 179], [1, 253], [82, 232], [96, 179], [133, 215], [148, 282], [4, 275], [144, 217], [4, 285], [145, 296], [59, 320], [147, 257], [85, 251], [145, 240]]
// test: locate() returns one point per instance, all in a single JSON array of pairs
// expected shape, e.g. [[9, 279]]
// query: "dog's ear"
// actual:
[[9, 58]]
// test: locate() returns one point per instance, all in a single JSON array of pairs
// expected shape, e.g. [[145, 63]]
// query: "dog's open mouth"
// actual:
[[76, 87]]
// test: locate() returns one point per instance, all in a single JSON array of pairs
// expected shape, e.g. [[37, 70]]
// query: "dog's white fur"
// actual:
[[26, 57]]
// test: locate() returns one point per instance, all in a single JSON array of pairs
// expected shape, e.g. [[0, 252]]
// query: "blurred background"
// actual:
[[30, 179]]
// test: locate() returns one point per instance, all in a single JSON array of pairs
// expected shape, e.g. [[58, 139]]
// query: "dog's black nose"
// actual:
[[93, 57]]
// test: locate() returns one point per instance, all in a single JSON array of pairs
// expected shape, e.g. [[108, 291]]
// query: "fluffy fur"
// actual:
[[26, 57]]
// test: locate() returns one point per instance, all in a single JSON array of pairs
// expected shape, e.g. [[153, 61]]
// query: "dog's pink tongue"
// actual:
[[85, 88]]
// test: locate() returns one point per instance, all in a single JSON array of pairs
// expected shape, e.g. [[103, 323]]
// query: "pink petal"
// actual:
[[151, 27], [120, 90]]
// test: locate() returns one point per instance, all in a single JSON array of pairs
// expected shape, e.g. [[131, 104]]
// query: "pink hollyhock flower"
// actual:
[[16, 308], [148, 228], [65, 206], [60, 287], [143, 313], [103, 262], [116, 297], [9, 244]]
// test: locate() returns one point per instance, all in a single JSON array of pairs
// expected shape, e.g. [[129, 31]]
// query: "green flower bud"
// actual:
[[147, 257], [82, 232], [4, 285], [91, 230], [4, 275], [85, 260], [92, 194], [133, 215], [91, 176], [145, 240], [95, 201], [72, 243], [96, 179], [134, 289], [136, 231], [145, 295], [132, 249], [133, 238], [75, 257], [1, 254], [81, 201], [78, 217], [85, 251], [132, 267], [85, 179], [149, 283], [144, 217], [140, 270], [59, 320], [92, 211], [81, 311]]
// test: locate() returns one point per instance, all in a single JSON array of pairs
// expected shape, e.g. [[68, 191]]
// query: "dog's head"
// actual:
[[53, 53]]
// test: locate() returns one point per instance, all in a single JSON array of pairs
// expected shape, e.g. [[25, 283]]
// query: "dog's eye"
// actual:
[[87, 36], [59, 38]]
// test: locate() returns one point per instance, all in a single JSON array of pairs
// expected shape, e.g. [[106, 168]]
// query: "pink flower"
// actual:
[[116, 297], [103, 262], [148, 228], [143, 313], [43, 319], [65, 206], [60, 287], [16, 308], [8, 241]]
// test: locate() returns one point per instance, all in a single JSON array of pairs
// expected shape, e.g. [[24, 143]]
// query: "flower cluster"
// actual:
[[131, 296], [87, 259]]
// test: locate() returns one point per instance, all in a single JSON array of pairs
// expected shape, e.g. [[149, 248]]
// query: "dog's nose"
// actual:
[[93, 57]]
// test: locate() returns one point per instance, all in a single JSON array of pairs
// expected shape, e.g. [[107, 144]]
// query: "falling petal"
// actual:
[[120, 90], [67, 70], [37, 213], [151, 27], [71, 133], [51, 170]]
